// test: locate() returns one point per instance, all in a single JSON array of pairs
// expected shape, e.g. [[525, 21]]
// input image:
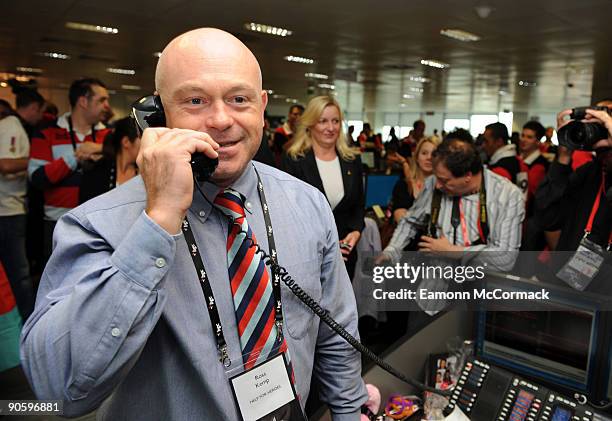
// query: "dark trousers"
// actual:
[[14, 259]]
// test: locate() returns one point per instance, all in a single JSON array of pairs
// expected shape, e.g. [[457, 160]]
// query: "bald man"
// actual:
[[121, 312]]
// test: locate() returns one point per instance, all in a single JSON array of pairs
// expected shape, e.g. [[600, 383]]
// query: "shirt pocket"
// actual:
[[298, 317]]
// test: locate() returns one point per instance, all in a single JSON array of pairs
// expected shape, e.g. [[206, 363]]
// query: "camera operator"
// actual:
[[577, 202]]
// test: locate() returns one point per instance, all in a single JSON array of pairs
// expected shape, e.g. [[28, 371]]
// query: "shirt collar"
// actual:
[[503, 152], [246, 185], [62, 122], [474, 196], [532, 157]]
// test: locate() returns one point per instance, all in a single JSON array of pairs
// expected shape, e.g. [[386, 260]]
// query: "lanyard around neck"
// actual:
[[595, 208], [73, 136], [483, 216], [211, 303]]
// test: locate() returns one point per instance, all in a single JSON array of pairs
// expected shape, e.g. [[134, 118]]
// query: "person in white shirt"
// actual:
[[14, 152]]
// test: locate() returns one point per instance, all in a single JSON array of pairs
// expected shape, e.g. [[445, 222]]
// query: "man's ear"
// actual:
[[264, 103], [83, 101]]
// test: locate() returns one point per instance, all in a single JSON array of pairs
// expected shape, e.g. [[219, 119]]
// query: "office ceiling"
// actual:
[[370, 49]]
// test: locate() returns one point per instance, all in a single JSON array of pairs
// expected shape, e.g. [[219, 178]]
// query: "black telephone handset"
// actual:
[[148, 111]]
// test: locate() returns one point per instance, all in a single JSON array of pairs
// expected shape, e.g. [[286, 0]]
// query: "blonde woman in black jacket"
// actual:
[[320, 156]]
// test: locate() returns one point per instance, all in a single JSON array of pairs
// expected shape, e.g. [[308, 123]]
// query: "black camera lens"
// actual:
[[577, 135]]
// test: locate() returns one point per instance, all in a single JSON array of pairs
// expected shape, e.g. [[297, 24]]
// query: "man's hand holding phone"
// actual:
[[164, 164]]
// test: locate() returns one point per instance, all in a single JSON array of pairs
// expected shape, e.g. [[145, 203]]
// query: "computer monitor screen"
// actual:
[[554, 345], [379, 189]]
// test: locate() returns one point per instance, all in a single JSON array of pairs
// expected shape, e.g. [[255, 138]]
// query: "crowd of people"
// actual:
[[74, 157], [109, 260]]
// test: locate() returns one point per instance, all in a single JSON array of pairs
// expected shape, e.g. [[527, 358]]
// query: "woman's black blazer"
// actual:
[[349, 213]]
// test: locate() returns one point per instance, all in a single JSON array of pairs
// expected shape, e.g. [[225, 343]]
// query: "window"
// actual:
[[386, 130], [478, 122], [358, 126], [451, 124], [506, 118], [403, 131]]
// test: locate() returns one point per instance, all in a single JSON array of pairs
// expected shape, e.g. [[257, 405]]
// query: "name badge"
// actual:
[[265, 393], [583, 266]]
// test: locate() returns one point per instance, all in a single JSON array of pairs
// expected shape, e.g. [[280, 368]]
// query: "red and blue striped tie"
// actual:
[[251, 287]]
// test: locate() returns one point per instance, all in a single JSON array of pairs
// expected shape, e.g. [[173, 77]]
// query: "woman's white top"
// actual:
[[331, 175]]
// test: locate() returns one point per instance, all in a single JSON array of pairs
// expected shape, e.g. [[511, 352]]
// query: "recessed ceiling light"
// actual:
[[435, 63], [3, 84], [316, 76], [278, 96], [502, 92], [267, 29], [402, 105], [269, 91], [91, 28], [292, 100], [483, 10], [420, 79], [298, 59], [121, 71], [527, 83], [131, 87], [28, 69], [157, 54], [415, 89], [59, 56], [326, 86], [408, 96], [460, 35]]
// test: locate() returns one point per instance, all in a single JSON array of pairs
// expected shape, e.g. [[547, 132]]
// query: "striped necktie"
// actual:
[[250, 285]]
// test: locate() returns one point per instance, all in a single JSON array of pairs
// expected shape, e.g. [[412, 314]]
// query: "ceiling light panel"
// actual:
[[55, 55], [420, 79], [298, 59], [316, 76], [459, 35], [120, 71], [267, 29], [28, 69], [92, 28], [434, 63]]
